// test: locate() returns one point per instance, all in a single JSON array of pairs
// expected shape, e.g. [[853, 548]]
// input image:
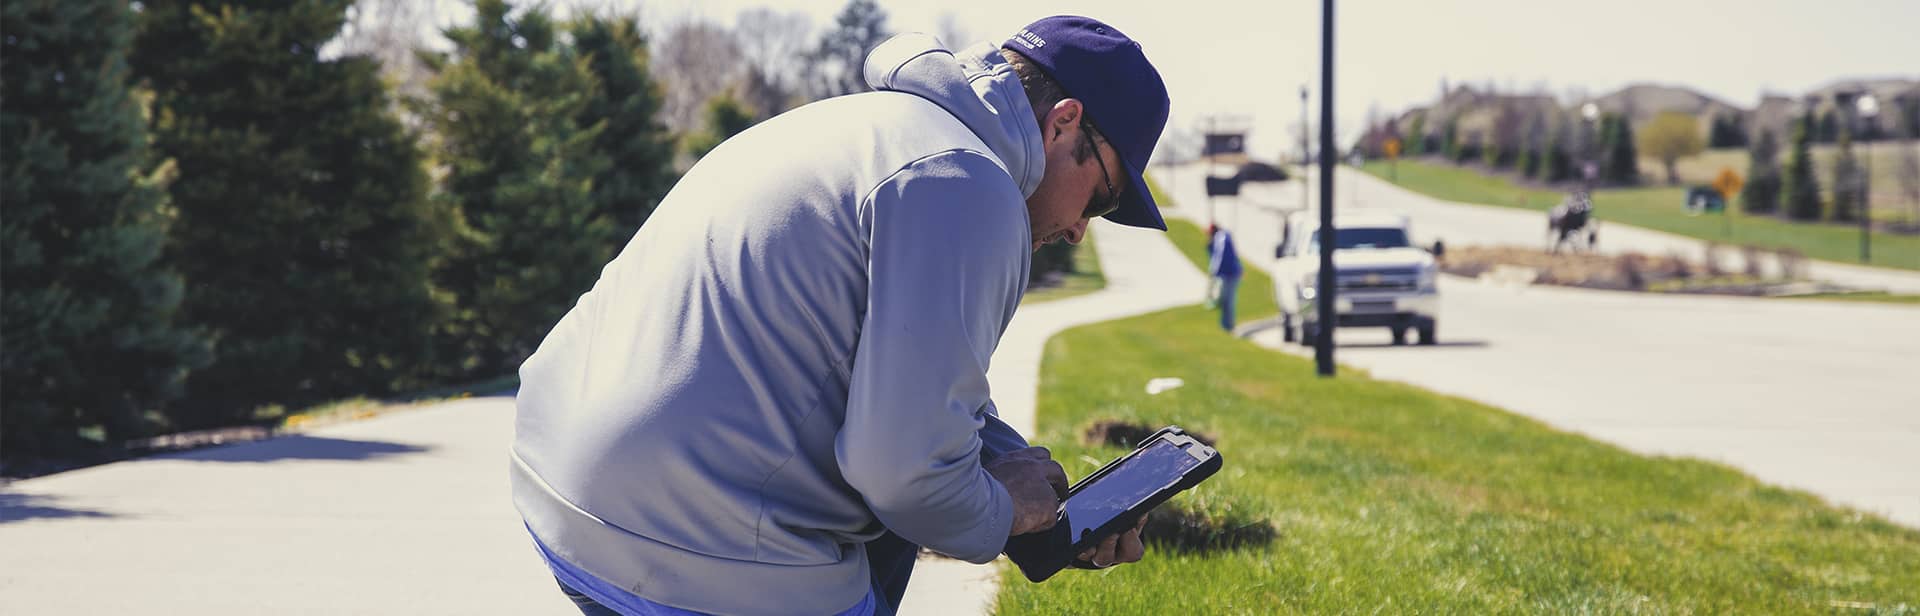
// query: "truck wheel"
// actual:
[[1309, 334], [1399, 336], [1427, 333], [1287, 333]]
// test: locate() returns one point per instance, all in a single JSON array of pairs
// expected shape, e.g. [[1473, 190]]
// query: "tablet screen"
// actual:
[[1158, 466]]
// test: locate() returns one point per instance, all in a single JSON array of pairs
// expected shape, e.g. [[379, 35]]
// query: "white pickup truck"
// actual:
[[1383, 280]]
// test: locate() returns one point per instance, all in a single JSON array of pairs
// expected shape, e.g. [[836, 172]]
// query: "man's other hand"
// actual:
[[1122, 548], [1035, 482]]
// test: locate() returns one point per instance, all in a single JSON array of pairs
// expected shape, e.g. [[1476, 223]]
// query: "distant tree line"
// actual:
[[1795, 189], [1550, 144], [1545, 145]]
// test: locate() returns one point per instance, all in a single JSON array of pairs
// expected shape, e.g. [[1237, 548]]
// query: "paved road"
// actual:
[[408, 513], [1822, 396]]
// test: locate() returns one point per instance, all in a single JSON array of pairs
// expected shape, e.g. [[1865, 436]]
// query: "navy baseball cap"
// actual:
[[1123, 93]]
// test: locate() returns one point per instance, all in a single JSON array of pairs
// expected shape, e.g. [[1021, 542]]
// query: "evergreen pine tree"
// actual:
[[1847, 180], [1726, 131], [1415, 141], [304, 232], [1761, 195], [1559, 165], [1908, 109], [519, 171], [841, 54], [624, 106], [726, 117], [1622, 163], [88, 309], [1731, 131], [1829, 127], [1801, 188], [1496, 156], [1606, 137], [1534, 157]]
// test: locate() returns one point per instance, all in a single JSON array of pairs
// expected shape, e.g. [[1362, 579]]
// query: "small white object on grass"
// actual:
[[1165, 383]]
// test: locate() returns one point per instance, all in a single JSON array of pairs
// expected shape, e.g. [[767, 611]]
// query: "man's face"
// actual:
[[1076, 186]]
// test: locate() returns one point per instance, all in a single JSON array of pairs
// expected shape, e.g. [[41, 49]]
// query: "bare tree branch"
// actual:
[[694, 61]]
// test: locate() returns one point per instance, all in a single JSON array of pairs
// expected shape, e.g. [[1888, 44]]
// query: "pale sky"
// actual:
[[1249, 59]]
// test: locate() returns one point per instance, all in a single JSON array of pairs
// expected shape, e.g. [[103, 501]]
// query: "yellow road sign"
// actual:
[[1728, 183], [1393, 148]]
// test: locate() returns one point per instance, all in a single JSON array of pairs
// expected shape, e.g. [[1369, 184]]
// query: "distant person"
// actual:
[[1223, 266], [1213, 284], [778, 391]]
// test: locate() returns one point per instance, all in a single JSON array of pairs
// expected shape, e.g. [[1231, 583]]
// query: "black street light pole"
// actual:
[[1866, 206], [1589, 147], [1306, 151], [1852, 106], [1208, 148], [1869, 109], [1323, 347]]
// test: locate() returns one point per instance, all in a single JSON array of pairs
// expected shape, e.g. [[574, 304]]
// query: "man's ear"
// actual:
[[1064, 118]]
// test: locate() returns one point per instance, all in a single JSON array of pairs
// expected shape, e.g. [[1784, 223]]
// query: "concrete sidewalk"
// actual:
[[409, 512], [1144, 273], [405, 513]]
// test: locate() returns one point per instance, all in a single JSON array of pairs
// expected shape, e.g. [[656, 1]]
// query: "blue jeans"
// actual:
[[588, 607], [1229, 290], [890, 560]]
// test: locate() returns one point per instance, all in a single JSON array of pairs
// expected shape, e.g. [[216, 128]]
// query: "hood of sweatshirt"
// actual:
[[977, 86]]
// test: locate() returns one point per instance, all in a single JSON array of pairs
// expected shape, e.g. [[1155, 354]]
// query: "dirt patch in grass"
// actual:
[[1576, 270], [1193, 524], [1723, 270], [1127, 434], [1188, 523], [1200, 525]]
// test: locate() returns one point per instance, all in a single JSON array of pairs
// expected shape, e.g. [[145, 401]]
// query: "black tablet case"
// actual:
[[1042, 554]]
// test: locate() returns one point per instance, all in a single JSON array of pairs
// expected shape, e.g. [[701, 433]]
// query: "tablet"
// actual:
[[1112, 499]]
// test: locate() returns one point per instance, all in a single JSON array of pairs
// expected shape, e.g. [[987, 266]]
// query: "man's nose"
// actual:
[[1077, 232]]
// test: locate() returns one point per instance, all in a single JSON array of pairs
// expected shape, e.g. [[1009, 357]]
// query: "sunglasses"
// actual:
[[1098, 206]]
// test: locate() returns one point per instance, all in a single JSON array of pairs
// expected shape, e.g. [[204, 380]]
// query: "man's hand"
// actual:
[[1122, 548], [1035, 482]]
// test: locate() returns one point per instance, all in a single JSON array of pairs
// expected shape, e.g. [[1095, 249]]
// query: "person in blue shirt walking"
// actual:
[[1223, 265]]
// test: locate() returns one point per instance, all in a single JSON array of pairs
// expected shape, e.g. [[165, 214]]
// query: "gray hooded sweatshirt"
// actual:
[[790, 358]]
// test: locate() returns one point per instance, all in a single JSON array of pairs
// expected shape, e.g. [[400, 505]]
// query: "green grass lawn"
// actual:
[[1659, 209], [362, 407], [1876, 297], [1888, 204], [1387, 498], [1085, 277]]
